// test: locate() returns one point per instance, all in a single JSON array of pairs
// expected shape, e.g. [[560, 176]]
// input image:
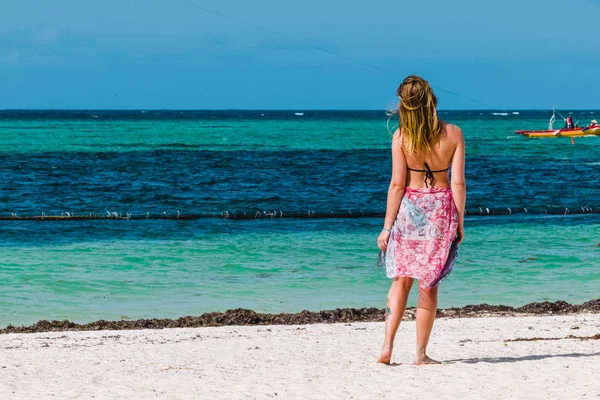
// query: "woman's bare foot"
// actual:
[[425, 360], [386, 355]]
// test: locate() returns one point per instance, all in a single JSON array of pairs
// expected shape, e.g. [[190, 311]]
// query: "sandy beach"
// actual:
[[320, 361]]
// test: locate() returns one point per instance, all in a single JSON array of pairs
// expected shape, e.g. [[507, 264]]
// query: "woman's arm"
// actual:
[[395, 191], [459, 183]]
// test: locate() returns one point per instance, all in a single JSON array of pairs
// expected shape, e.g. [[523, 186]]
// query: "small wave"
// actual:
[[497, 113], [184, 145], [27, 128], [299, 114], [515, 113], [221, 126], [138, 144]]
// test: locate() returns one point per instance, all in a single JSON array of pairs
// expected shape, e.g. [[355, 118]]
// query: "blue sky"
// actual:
[[167, 54]]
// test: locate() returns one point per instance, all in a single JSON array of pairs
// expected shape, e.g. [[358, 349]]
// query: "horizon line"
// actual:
[[278, 109]]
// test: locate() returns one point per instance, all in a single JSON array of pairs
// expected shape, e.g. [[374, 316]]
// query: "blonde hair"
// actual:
[[419, 123]]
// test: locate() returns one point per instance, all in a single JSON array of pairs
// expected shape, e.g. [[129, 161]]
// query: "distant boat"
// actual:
[[555, 133], [593, 130], [299, 114]]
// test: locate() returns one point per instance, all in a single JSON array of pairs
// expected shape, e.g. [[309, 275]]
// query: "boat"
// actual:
[[577, 132], [593, 130]]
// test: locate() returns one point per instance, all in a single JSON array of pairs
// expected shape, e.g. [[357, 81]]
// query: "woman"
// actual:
[[424, 222]]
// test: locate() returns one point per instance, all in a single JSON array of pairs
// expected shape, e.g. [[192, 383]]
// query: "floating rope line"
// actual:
[[278, 214]]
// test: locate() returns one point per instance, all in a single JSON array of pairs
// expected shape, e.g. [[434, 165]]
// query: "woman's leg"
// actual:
[[426, 309], [394, 310]]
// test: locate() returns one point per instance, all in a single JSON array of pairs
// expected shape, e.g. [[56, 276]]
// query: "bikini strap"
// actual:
[[428, 173]]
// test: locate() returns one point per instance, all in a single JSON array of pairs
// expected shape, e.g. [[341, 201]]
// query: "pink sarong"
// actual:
[[422, 244]]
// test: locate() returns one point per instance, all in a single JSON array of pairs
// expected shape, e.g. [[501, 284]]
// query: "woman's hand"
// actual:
[[382, 240], [460, 234]]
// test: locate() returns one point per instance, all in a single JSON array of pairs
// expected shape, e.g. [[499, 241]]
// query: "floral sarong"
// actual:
[[422, 244]]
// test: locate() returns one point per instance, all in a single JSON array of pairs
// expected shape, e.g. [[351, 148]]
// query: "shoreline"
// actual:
[[244, 317]]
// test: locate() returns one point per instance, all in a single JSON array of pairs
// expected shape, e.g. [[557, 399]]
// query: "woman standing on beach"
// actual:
[[425, 212]]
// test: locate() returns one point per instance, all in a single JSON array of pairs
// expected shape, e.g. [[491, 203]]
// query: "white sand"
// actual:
[[307, 362]]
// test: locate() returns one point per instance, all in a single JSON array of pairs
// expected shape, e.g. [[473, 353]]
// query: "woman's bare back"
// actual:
[[438, 161]]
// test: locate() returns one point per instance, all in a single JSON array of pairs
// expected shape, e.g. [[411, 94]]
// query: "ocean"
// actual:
[[210, 161]]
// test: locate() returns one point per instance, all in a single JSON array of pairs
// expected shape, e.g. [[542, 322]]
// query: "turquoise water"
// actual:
[[85, 271]]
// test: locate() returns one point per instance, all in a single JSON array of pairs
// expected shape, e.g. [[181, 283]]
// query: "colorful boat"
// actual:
[[593, 130], [577, 132]]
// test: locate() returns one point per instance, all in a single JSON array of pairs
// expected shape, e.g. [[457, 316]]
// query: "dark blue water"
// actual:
[[190, 181]]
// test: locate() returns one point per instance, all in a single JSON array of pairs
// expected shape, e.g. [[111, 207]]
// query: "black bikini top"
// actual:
[[428, 173]]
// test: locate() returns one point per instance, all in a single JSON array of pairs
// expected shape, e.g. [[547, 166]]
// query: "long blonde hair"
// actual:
[[419, 122]]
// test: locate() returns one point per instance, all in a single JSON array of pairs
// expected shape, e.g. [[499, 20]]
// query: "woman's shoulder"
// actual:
[[397, 140], [453, 130]]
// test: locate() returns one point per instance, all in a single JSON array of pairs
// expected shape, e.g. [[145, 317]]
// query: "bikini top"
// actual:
[[428, 173]]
